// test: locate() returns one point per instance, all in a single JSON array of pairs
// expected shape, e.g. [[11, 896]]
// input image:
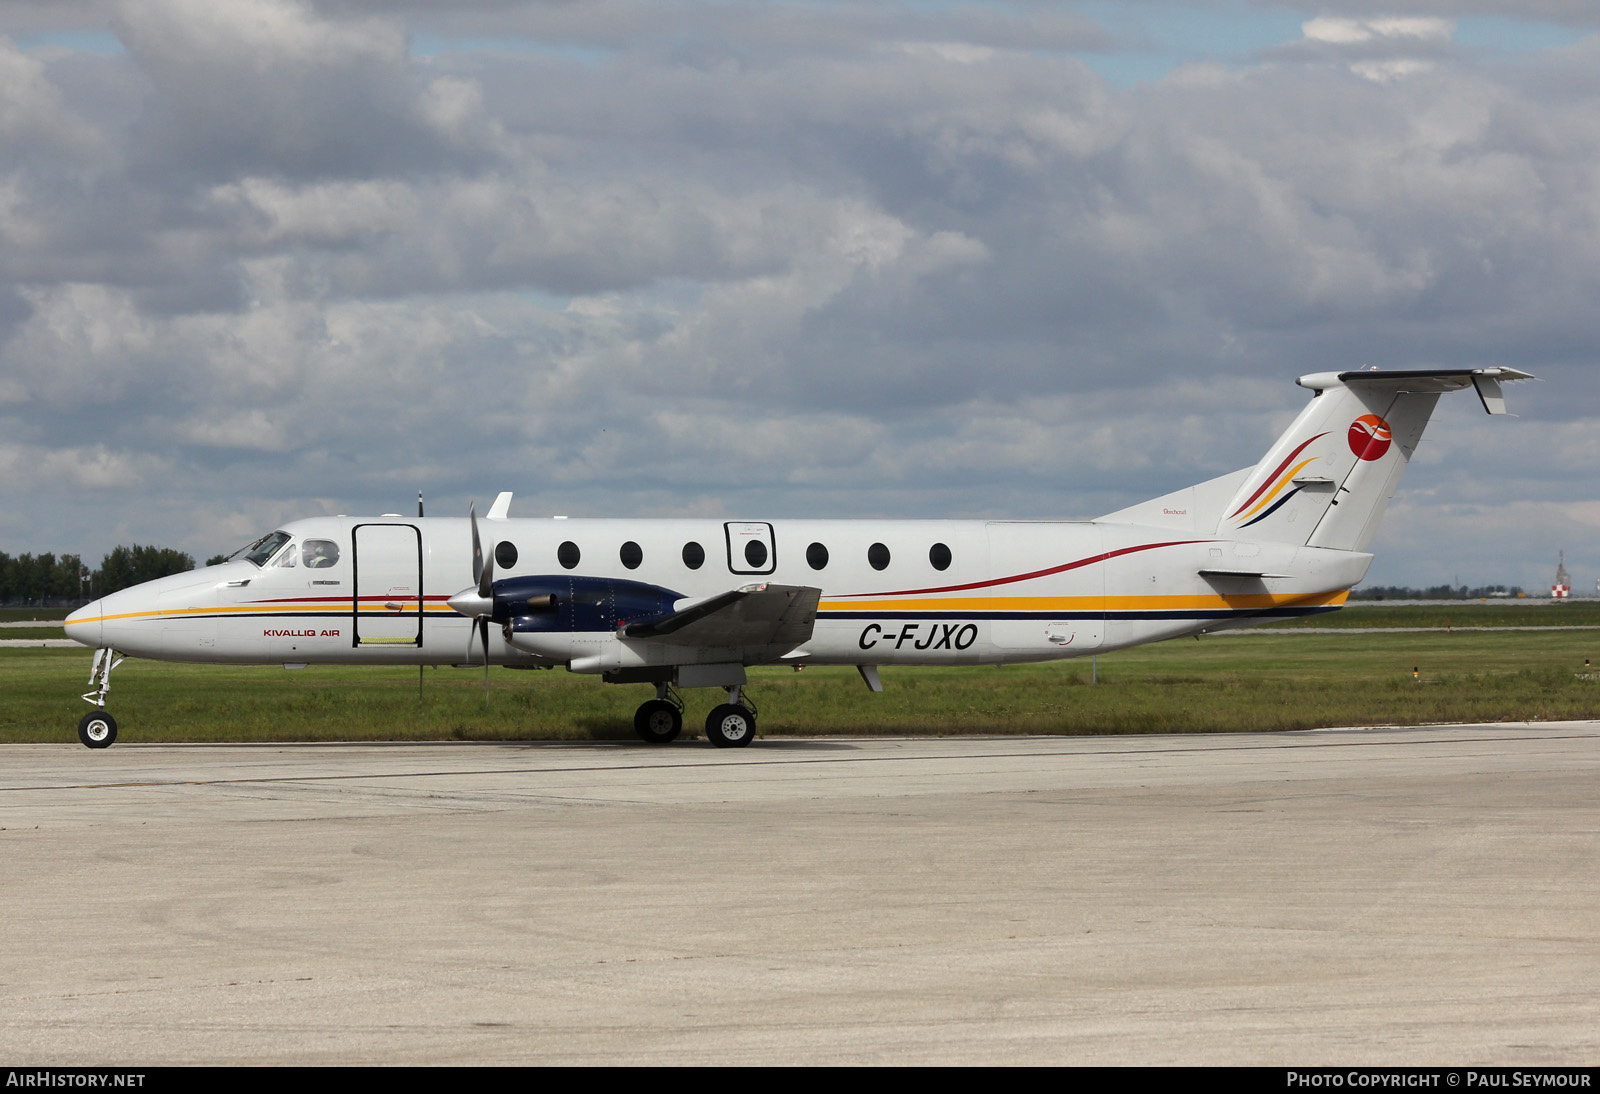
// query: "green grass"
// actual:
[[8, 615], [1218, 684], [1467, 613]]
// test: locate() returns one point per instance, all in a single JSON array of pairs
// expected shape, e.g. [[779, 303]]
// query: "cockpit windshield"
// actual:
[[262, 549]]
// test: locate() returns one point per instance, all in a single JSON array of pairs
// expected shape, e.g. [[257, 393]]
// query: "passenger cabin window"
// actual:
[[878, 556], [939, 556], [631, 555], [505, 554], [755, 553], [694, 555], [816, 556], [568, 555], [320, 554]]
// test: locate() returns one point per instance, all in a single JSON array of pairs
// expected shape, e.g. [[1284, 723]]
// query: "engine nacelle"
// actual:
[[548, 604]]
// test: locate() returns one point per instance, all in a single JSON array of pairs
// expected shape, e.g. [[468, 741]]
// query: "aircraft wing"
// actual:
[[751, 617]]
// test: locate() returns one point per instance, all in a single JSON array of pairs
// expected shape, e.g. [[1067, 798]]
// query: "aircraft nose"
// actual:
[[86, 625]]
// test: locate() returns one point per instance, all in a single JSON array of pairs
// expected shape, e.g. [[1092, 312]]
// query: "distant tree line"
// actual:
[[1433, 592], [36, 579]]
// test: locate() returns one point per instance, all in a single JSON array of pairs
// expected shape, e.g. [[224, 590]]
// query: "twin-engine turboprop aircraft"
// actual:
[[690, 603]]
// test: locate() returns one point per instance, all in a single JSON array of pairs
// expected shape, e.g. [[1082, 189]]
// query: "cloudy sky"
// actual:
[[262, 259]]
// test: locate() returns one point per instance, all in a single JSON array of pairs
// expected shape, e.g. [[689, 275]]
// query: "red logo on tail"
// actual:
[[1369, 437]]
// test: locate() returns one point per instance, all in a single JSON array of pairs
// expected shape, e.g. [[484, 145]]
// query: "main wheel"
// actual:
[[731, 726], [658, 721], [97, 729]]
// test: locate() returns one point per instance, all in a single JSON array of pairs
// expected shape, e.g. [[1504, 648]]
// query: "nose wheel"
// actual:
[[97, 729]]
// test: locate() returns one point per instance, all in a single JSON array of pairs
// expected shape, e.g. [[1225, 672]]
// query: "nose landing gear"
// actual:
[[97, 729]]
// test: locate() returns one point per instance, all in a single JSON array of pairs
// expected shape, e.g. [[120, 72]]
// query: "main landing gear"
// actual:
[[732, 724], [729, 725], [660, 720], [97, 729]]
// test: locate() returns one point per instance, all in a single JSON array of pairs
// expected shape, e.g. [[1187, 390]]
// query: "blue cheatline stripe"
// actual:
[[1275, 507]]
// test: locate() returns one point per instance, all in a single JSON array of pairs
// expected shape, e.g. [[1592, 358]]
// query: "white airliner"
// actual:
[[690, 603]]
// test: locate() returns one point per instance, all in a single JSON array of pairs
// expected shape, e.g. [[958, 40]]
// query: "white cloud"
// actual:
[[32, 113], [1393, 69], [1340, 30], [253, 36], [768, 258], [27, 468]]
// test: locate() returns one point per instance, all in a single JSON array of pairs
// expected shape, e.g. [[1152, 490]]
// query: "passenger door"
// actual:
[[386, 608]]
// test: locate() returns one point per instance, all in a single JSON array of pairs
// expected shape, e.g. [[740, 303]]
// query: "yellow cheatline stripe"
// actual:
[[1274, 491], [1090, 603]]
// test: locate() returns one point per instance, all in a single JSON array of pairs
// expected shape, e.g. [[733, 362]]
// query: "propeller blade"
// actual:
[[477, 545], [483, 625], [481, 607]]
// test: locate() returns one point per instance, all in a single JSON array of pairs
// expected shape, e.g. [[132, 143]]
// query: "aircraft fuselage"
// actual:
[[893, 592]]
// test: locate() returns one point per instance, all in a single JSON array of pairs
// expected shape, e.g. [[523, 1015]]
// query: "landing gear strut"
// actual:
[[732, 724], [97, 729], [660, 720]]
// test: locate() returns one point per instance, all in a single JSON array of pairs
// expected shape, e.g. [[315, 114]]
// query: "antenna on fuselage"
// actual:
[[419, 503]]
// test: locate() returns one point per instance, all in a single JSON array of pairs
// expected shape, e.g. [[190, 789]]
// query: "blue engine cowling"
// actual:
[[556, 604]]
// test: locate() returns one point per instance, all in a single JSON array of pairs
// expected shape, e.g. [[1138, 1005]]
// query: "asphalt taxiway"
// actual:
[[1423, 896]]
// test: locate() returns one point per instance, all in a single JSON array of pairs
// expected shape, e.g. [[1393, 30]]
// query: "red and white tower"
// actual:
[[1563, 586]]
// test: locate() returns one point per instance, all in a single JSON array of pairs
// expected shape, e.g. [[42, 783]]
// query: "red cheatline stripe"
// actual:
[[1270, 478], [1025, 577]]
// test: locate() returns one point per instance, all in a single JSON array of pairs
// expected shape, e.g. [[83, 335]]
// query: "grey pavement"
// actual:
[[1404, 896]]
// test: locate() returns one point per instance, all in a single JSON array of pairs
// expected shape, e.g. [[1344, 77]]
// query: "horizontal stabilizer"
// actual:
[[1257, 574], [1425, 381]]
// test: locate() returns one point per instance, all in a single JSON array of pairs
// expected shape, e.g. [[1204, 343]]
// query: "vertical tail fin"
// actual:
[[1328, 479]]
